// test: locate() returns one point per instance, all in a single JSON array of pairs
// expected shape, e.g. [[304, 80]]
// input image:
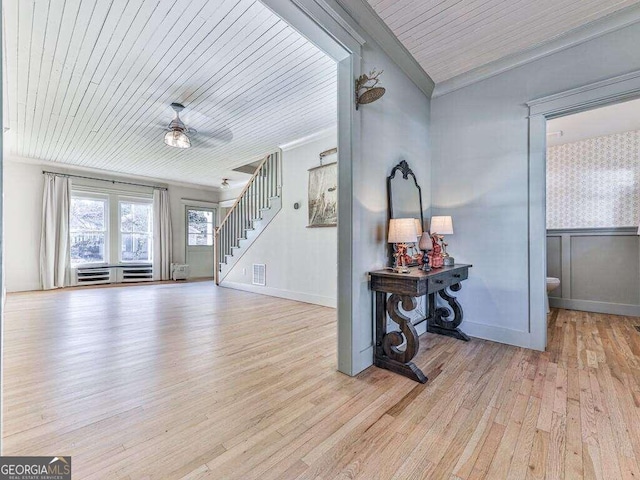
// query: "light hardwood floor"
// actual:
[[190, 381]]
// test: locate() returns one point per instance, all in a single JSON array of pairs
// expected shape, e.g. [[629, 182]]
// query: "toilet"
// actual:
[[552, 284]]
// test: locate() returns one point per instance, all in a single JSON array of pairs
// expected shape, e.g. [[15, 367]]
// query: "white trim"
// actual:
[[200, 203], [596, 307], [281, 293], [537, 225], [215, 221], [333, 131], [368, 19], [326, 28], [313, 21], [606, 92], [70, 168], [612, 90], [584, 33], [133, 201], [105, 198]]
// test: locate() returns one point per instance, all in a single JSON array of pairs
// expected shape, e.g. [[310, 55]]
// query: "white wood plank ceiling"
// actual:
[[89, 83], [451, 37]]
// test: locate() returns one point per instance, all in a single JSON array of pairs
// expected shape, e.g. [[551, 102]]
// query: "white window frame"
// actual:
[[112, 197], [214, 222], [120, 199], [83, 194]]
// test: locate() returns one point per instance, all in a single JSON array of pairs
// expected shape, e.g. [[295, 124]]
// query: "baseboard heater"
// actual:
[[103, 275]]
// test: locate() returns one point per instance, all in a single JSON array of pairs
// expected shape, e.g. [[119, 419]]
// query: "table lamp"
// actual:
[[441, 226], [401, 232], [418, 226], [425, 244]]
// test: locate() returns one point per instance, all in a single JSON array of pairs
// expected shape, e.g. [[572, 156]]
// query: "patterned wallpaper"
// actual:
[[594, 183]]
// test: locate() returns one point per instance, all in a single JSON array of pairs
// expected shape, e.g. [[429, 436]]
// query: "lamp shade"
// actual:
[[442, 225], [425, 242], [418, 226], [177, 139], [402, 230]]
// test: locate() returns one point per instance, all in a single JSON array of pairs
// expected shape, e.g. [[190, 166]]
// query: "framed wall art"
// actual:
[[323, 196]]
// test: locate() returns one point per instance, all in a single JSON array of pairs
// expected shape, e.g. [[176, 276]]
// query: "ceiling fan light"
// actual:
[[177, 139]]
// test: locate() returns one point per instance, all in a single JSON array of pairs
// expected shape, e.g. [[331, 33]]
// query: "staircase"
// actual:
[[254, 209]]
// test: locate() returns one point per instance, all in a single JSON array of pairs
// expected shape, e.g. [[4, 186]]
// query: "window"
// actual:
[[200, 225], [88, 226], [136, 231]]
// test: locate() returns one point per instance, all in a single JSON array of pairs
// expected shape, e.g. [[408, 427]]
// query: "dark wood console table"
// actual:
[[404, 289]]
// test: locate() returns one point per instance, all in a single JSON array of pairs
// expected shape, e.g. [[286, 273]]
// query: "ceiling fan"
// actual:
[[178, 135]]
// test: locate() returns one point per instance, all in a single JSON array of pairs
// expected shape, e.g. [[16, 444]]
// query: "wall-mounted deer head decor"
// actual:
[[368, 83]]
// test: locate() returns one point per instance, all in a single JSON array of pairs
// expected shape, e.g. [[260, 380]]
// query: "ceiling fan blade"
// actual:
[[217, 138], [155, 125]]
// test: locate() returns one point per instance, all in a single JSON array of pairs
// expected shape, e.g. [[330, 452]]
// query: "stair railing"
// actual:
[[263, 185]]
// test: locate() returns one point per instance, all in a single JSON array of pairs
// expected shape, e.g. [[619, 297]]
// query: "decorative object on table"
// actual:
[[435, 256], [402, 232], [368, 83], [443, 225], [393, 291], [404, 197], [323, 196], [425, 245]]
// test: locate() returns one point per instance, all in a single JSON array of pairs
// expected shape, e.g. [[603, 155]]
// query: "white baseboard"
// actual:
[[596, 307], [508, 336], [280, 293], [24, 288]]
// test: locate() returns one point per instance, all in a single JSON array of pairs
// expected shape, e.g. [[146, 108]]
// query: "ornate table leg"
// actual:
[[387, 353], [439, 317]]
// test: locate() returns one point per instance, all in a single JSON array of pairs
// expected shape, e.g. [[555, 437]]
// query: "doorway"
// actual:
[[608, 92], [593, 177], [200, 228]]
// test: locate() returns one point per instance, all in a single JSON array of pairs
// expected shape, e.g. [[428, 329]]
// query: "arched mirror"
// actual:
[[404, 198]]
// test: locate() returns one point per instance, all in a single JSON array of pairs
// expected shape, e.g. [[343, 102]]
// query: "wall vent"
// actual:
[[259, 274]]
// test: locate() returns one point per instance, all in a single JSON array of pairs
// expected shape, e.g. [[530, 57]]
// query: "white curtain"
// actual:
[[162, 237], [54, 240]]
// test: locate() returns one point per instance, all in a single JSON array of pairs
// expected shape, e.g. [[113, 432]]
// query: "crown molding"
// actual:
[[584, 33], [69, 168], [606, 92], [333, 131], [366, 17]]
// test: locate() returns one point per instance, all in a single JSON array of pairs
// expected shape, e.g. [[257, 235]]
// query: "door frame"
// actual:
[[607, 92], [199, 205], [323, 23]]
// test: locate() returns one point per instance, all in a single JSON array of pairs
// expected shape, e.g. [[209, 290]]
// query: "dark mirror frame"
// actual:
[[402, 167]]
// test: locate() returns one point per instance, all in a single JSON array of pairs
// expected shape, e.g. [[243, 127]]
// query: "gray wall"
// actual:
[[599, 269], [480, 174], [392, 129]]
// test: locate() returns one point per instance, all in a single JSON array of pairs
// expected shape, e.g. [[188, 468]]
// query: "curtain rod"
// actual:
[[104, 180]]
